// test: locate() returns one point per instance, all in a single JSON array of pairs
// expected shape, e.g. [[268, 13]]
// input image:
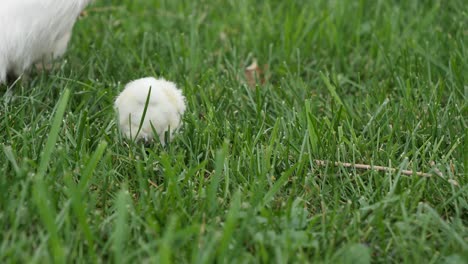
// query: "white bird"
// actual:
[[166, 105], [33, 31]]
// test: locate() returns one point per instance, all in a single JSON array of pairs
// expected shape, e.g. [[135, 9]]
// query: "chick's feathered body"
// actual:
[[166, 105], [34, 30]]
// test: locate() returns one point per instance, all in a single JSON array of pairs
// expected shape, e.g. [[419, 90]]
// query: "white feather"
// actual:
[[165, 107], [34, 30]]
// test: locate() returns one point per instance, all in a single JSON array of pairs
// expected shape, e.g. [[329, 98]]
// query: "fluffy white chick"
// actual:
[[34, 31], [165, 108]]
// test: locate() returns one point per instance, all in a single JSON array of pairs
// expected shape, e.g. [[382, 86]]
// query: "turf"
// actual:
[[379, 82]]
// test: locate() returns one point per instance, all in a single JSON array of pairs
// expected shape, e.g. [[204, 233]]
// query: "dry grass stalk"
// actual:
[[372, 167]]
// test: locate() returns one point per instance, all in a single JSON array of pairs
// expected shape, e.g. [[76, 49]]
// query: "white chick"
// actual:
[[165, 108], [34, 31]]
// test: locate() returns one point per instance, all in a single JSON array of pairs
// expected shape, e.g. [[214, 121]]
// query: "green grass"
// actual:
[[371, 81]]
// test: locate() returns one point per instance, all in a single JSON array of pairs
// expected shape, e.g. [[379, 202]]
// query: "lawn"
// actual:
[[376, 82]]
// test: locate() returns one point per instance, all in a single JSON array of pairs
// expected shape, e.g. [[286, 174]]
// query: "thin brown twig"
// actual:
[[152, 183], [372, 167]]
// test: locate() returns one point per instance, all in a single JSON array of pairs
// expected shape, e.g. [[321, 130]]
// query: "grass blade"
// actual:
[[42, 200]]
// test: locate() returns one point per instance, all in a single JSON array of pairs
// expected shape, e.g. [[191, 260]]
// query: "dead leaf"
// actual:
[[255, 75], [223, 36], [453, 182], [435, 169]]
